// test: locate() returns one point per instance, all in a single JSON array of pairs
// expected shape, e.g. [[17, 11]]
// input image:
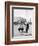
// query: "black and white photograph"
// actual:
[[22, 22]]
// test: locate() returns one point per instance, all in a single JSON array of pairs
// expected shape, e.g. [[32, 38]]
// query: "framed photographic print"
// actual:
[[21, 22]]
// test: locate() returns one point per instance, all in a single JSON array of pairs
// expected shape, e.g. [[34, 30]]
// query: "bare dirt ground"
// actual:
[[17, 33]]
